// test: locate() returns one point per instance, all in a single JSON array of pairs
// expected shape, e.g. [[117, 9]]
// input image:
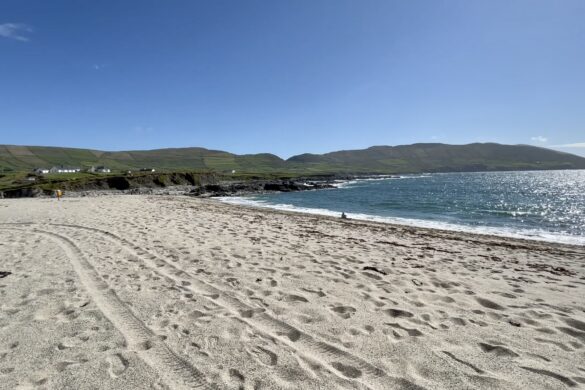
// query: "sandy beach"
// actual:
[[163, 292]]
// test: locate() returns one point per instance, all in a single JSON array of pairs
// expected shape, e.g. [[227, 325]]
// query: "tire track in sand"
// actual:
[[344, 364], [173, 369]]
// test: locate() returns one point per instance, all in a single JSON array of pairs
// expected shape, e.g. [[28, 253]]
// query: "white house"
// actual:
[[147, 170], [102, 169], [63, 169], [41, 171]]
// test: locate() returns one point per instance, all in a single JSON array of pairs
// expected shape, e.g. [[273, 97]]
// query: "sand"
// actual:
[[139, 292]]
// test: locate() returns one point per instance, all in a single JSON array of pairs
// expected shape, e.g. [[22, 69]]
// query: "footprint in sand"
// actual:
[[117, 364], [575, 323], [497, 350], [235, 378], [367, 330], [412, 332], [319, 293], [458, 321], [344, 312], [397, 313], [565, 380], [347, 371], [63, 365], [465, 363], [489, 304], [264, 356], [573, 333], [293, 298]]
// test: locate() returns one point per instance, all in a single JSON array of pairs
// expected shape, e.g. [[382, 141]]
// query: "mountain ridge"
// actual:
[[418, 157]]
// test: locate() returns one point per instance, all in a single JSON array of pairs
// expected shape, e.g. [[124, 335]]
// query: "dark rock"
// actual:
[[254, 186], [118, 183], [26, 192]]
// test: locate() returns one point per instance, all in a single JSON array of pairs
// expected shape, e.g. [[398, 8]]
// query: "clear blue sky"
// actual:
[[291, 76]]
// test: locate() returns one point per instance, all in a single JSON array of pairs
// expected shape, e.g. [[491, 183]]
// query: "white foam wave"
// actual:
[[352, 182], [530, 234]]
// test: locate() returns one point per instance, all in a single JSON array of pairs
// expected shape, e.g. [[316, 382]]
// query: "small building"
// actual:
[[102, 169], [147, 170], [63, 169], [41, 171]]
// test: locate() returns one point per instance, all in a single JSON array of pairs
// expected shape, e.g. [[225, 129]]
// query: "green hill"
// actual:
[[439, 158], [377, 159], [19, 158]]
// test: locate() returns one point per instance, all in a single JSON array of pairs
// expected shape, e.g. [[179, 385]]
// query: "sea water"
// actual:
[[542, 205]]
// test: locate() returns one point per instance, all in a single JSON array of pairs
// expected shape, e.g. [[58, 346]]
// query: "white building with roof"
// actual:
[[102, 169], [62, 169]]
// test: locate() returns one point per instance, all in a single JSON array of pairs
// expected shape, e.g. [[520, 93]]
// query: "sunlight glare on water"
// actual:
[[546, 205]]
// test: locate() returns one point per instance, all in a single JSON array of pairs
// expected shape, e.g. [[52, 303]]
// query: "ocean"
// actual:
[[540, 205]]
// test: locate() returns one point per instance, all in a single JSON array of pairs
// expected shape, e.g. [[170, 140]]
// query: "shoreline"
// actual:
[[460, 229], [243, 191], [184, 191]]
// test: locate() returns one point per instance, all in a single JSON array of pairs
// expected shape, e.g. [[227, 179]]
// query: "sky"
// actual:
[[289, 77]]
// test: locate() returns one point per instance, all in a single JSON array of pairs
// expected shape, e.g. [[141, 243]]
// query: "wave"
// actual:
[[529, 234], [352, 182]]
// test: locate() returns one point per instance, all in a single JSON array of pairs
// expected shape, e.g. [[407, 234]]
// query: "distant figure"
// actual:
[[59, 194], [343, 216]]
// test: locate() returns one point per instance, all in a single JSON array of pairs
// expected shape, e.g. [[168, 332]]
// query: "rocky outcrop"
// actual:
[[193, 184], [129, 182], [256, 186], [27, 192], [141, 183]]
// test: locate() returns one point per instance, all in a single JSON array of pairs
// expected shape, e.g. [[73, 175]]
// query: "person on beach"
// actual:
[[343, 216], [59, 194]]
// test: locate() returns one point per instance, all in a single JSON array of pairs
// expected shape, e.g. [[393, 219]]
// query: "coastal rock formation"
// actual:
[[30, 192], [193, 184], [132, 184], [256, 186]]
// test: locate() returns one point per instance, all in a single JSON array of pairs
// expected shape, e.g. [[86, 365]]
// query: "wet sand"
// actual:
[[135, 292]]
